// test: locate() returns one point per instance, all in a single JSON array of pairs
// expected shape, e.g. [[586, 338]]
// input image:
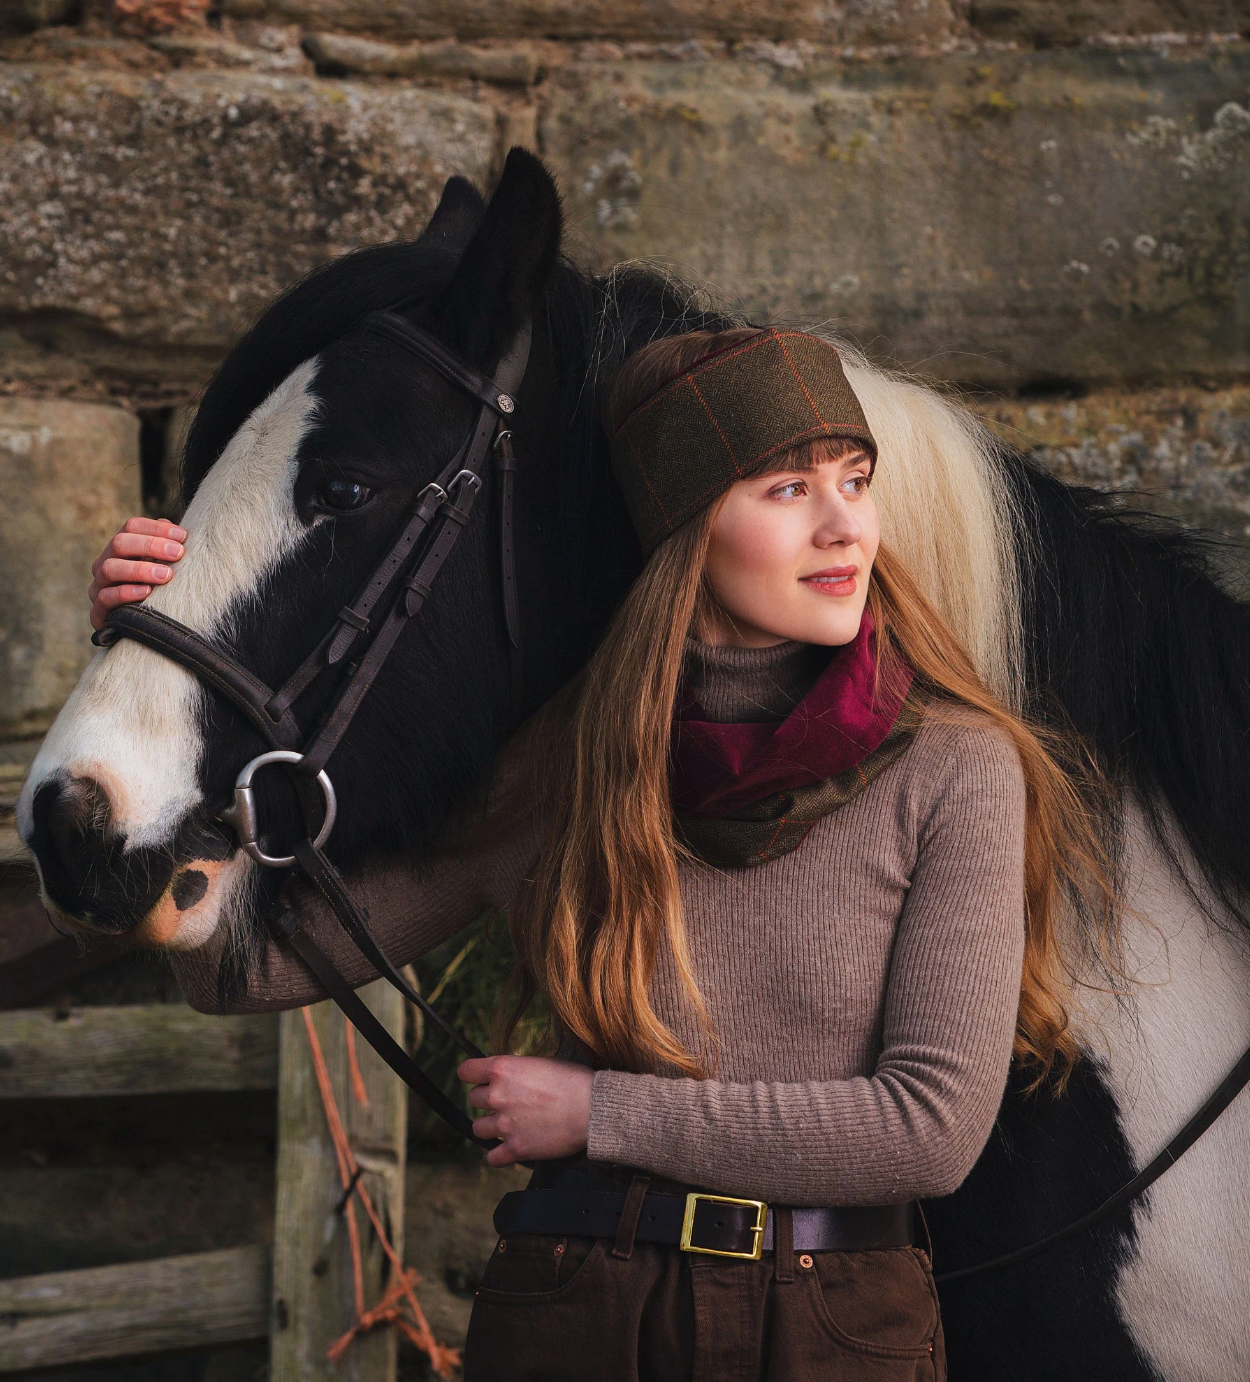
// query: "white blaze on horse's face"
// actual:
[[134, 723]]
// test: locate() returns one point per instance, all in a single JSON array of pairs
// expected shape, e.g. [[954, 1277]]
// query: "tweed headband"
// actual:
[[723, 419]]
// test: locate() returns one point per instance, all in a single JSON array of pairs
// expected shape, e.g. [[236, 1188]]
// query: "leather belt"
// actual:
[[722, 1225]]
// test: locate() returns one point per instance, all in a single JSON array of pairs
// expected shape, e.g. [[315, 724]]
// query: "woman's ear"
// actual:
[[505, 269]]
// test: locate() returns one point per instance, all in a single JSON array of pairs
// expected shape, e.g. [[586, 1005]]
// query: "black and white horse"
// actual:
[[314, 437]]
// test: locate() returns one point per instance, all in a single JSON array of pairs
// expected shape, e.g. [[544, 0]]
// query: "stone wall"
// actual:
[[1032, 200], [982, 209], [69, 476]]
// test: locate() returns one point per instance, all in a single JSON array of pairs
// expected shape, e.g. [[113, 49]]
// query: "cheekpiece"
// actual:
[[724, 419]]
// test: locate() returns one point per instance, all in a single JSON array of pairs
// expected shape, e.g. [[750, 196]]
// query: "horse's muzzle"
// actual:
[[88, 874]]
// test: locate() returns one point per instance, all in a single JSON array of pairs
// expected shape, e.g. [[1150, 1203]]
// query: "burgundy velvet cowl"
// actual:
[[719, 769]]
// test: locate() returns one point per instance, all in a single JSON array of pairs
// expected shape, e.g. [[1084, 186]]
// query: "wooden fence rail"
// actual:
[[159, 1048], [58, 1318], [306, 1299]]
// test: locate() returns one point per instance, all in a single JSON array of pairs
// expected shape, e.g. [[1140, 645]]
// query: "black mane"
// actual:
[[320, 308], [1133, 642]]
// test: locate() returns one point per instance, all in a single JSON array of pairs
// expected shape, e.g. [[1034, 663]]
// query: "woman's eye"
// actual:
[[344, 495], [858, 484], [790, 490]]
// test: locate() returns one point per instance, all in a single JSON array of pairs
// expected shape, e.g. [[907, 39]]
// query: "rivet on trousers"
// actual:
[[806, 1260]]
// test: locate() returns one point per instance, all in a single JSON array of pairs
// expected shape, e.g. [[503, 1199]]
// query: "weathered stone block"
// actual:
[[515, 65], [144, 220], [855, 21], [1179, 450], [23, 15], [69, 477], [1065, 214], [1070, 21]]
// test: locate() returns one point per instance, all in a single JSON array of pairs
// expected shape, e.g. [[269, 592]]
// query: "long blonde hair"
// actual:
[[605, 896]]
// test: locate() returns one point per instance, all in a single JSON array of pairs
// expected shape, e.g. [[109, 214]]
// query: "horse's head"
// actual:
[[308, 451]]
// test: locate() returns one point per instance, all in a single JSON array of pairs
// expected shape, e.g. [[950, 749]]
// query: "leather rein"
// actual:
[[440, 515], [414, 559]]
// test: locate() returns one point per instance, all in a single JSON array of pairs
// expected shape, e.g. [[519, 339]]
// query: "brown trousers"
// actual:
[[589, 1310]]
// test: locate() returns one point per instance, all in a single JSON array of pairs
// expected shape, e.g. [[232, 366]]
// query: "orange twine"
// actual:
[[399, 1291], [359, 1092]]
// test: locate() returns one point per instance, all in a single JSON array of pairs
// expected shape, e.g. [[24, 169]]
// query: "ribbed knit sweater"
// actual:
[[863, 988]]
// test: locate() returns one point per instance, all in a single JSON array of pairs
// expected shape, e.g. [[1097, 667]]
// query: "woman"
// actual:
[[788, 876]]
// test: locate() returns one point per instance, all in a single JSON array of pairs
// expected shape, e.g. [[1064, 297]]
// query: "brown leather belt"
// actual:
[[722, 1225]]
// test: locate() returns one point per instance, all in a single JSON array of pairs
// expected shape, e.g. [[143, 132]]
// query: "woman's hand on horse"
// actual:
[[132, 564], [538, 1108]]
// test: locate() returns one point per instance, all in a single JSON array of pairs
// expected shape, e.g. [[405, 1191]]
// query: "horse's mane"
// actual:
[[1136, 643], [316, 310]]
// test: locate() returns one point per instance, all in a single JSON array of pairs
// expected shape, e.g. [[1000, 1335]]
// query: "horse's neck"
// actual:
[[1181, 1015]]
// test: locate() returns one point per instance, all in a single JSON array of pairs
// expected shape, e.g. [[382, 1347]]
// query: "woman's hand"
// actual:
[[125, 572], [539, 1108]]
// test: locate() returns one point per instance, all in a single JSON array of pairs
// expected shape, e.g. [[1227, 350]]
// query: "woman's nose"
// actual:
[[839, 525]]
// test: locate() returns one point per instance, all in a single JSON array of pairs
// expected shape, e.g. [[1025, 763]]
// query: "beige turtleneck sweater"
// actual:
[[863, 988]]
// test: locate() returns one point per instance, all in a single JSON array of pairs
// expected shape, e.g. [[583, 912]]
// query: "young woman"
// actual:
[[788, 876]]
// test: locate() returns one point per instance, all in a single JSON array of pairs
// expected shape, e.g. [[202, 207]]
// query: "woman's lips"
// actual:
[[834, 580]]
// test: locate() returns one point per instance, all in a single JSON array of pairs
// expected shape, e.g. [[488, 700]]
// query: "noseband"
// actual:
[[413, 560]]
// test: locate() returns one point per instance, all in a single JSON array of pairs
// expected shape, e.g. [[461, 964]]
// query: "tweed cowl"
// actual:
[[724, 419]]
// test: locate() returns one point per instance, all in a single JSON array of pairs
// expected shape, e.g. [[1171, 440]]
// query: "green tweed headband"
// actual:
[[723, 419]]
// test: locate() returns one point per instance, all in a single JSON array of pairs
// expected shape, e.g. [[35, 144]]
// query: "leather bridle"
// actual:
[[413, 560]]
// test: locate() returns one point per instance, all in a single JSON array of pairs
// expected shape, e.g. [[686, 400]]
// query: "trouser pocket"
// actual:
[[533, 1318], [859, 1317], [604, 1319]]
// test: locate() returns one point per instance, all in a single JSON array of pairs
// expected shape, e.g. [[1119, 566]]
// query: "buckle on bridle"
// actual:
[[241, 817], [470, 477], [756, 1229]]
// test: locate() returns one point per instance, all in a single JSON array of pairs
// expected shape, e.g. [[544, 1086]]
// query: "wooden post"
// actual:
[[313, 1297]]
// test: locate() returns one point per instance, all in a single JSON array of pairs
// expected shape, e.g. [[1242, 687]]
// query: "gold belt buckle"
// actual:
[[757, 1228]]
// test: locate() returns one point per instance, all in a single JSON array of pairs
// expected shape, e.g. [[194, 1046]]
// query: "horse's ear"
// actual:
[[506, 268], [457, 216]]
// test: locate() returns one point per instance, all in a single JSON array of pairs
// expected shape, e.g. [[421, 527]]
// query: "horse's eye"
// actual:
[[344, 494]]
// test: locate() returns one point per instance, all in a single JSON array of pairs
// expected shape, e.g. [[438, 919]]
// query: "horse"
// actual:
[[314, 437]]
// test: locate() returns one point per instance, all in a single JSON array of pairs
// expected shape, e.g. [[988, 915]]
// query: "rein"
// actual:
[[1224, 1093], [446, 503], [440, 515]]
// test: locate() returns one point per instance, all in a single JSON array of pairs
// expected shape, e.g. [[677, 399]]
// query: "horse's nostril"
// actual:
[[83, 862], [72, 818]]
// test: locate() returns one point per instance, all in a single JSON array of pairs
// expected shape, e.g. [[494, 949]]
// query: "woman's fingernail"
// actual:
[[173, 549], [162, 573], [178, 534]]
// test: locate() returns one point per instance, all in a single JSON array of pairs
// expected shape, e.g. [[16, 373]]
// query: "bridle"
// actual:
[[440, 515], [412, 564]]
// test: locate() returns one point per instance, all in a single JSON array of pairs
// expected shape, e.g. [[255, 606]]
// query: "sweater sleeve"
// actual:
[[916, 1125], [412, 908]]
